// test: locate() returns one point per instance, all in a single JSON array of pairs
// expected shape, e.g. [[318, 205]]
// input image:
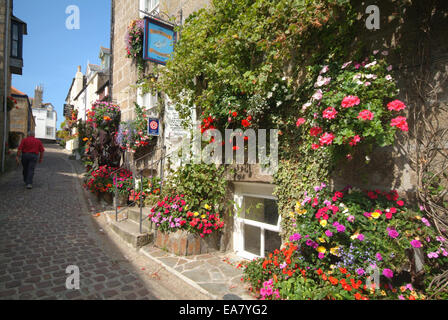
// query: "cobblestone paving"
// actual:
[[44, 230]]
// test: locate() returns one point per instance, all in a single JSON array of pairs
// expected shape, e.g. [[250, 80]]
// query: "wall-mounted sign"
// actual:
[[153, 127], [68, 109], [159, 41]]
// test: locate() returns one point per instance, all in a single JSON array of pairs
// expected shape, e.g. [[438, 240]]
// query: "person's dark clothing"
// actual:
[[29, 161]]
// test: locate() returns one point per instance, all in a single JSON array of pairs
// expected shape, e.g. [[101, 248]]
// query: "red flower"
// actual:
[[350, 101], [315, 131], [245, 123], [365, 115], [315, 146], [400, 123], [300, 121], [355, 140], [400, 203], [326, 138], [329, 113], [234, 114], [396, 105]]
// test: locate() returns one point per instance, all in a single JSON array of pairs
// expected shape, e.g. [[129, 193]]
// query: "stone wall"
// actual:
[[3, 20], [413, 46]]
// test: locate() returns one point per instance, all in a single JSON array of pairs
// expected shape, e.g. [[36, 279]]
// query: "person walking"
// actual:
[[30, 148]]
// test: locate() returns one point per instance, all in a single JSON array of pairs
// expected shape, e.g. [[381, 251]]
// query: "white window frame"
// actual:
[[51, 129], [240, 221], [147, 101], [148, 6]]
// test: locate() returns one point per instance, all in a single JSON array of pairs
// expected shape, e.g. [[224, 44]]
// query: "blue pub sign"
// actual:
[[159, 41], [153, 127]]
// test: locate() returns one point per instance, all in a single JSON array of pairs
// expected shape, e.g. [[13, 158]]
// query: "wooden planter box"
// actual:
[[183, 243]]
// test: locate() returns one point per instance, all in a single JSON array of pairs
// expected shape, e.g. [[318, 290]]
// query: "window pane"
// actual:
[[261, 210], [15, 32], [272, 241], [15, 49], [252, 239]]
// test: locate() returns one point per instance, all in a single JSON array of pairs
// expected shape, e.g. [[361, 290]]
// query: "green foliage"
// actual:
[[202, 184]]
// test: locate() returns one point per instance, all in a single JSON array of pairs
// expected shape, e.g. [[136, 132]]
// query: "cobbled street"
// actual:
[[48, 228]]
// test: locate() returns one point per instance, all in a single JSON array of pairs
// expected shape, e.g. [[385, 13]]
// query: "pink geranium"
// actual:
[[350, 101], [326, 138], [392, 233], [329, 113], [315, 131], [355, 140], [388, 273], [300, 121], [365, 115], [416, 243], [396, 105], [400, 123]]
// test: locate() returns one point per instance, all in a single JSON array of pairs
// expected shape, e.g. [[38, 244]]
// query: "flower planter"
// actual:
[[108, 197], [183, 243]]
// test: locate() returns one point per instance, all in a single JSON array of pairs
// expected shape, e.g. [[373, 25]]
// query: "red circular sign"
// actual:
[[153, 125]]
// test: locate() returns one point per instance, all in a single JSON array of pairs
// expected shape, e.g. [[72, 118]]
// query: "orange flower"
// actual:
[[333, 280], [319, 271], [343, 270], [358, 296], [324, 277]]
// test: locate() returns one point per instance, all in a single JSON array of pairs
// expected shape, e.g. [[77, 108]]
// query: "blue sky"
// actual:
[[51, 52]]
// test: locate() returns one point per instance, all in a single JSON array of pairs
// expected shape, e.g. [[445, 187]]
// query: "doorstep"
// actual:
[[214, 274]]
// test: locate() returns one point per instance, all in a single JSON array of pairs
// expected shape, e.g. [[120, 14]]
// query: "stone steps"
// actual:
[[129, 230]]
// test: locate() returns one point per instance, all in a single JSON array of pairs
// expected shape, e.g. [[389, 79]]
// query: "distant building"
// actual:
[[21, 118], [45, 117]]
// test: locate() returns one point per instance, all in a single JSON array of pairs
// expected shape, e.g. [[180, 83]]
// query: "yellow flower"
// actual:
[[418, 217], [300, 212], [332, 266], [323, 223], [203, 216], [207, 207], [354, 236], [322, 240], [383, 293], [334, 251], [321, 249], [196, 214], [402, 288], [291, 214], [376, 214]]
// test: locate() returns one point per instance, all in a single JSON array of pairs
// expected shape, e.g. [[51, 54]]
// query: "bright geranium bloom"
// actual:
[[326, 138], [388, 273], [315, 131], [355, 140], [350, 101], [329, 113], [245, 123], [400, 123], [365, 115], [396, 105], [300, 121], [416, 243]]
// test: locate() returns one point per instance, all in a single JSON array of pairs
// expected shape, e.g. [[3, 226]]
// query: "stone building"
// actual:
[[21, 118], [12, 30]]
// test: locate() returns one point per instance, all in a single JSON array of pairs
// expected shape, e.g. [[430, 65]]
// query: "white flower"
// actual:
[[269, 94], [371, 76], [324, 70], [346, 64], [357, 76], [359, 82], [389, 68], [389, 77], [279, 103], [321, 81], [306, 105], [317, 95], [371, 64]]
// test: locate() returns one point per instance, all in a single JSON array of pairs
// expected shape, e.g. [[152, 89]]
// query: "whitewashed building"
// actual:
[[46, 118]]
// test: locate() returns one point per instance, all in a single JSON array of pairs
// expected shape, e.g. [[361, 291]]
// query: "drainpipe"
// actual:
[[5, 93]]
